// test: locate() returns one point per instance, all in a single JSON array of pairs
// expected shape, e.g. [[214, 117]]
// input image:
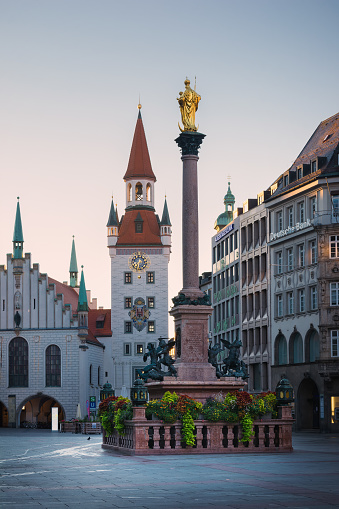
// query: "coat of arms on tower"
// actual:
[[139, 314]]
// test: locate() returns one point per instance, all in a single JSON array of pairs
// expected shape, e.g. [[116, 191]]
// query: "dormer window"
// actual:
[[138, 223], [138, 192], [285, 180], [300, 173], [314, 166], [100, 321]]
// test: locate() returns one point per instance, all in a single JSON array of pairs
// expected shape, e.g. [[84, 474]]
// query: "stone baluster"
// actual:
[[199, 435], [167, 436], [156, 435]]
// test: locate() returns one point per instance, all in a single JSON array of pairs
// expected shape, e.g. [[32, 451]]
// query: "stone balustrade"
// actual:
[[144, 437]]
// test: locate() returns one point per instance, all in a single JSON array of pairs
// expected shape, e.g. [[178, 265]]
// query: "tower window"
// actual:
[[128, 277], [148, 192], [128, 302], [150, 277], [127, 348], [138, 227], [128, 327], [138, 192], [151, 326], [150, 302]]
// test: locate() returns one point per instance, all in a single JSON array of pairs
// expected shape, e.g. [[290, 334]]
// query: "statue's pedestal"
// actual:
[[197, 390], [196, 376]]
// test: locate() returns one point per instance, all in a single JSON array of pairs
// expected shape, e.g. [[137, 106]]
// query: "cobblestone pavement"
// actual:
[[44, 469]]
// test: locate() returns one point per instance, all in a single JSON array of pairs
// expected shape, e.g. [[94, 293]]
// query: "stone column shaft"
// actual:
[[190, 225]]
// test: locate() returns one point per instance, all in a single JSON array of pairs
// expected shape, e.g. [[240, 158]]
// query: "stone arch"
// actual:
[[139, 194], [280, 350], [312, 345], [37, 409], [295, 347], [307, 405]]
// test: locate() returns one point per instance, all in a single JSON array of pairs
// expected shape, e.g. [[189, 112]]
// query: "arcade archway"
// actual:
[[36, 412], [308, 405]]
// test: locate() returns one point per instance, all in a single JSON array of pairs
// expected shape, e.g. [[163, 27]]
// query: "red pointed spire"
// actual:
[[139, 164]]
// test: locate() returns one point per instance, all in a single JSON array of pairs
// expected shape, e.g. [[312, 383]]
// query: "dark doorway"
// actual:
[[308, 405]]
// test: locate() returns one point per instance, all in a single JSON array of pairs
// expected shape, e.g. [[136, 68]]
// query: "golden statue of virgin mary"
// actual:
[[188, 104]]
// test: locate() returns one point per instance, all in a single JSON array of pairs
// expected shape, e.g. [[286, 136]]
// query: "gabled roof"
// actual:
[[150, 234], [139, 165], [70, 294], [112, 218]]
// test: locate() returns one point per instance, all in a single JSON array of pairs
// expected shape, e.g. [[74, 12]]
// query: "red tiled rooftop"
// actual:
[[151, 231]]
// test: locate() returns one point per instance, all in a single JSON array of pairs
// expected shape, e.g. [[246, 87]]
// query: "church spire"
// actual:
[[18, 238], [139, 164], [73, 267], [82, 301]]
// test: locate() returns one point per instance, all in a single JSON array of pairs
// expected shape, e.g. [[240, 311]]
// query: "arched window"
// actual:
[[148, 192], [90, 374], [129, 192], [280, 350], [18, 363], [296, 349], [313, 346], [98, 375], [53, 366], [138, 192]]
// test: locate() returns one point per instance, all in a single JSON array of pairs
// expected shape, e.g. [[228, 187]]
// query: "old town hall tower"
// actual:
[[139, 246]]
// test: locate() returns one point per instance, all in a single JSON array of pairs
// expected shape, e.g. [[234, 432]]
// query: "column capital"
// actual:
[[189, 142]]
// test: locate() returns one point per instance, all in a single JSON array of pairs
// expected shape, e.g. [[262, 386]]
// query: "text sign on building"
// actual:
[[224, 232], [92, 403], [290, 229]]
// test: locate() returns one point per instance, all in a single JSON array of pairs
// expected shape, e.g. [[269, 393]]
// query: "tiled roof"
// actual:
[[104, 315], [322, 146], [139, 165], [151, 231], [70, 294]]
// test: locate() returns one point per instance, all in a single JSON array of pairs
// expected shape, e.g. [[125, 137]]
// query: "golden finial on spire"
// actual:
[[139, 105]]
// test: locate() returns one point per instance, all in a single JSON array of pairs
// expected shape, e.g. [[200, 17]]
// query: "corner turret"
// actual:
[[18, 238], [82, 302], [112, 229], [166, 230]]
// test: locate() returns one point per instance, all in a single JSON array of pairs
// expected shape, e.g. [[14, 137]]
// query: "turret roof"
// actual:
[[18, 235], [165, 216], [73, 266], [82, 301], [112, 218], [139, 165]]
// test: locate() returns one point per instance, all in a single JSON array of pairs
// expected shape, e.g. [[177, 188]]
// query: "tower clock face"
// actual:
[[139, 262]]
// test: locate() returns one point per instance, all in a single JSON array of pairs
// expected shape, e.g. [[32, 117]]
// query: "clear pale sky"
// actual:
[[71, 75]]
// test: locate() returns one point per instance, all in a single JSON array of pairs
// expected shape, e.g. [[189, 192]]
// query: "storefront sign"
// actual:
[[290, 229], [224, 232]]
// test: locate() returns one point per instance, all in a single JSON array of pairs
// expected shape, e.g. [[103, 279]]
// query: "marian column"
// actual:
[[191, 307]]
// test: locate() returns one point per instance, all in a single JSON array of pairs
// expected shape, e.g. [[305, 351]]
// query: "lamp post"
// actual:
[[284, 392], [106, 391], [139, 393]]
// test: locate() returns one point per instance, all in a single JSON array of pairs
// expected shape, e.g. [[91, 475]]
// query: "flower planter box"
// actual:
[[91, 428], [70, 427], [144, 437]]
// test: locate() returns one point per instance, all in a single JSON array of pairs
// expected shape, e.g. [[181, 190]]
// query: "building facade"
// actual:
[[139, 246], [49, 356]]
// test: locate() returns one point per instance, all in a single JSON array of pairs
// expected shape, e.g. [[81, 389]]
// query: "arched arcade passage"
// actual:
[[308, 405], [36, 411]]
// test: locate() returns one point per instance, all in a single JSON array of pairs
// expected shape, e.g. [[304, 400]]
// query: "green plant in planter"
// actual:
[[247, 428], [172, 407], [113, 412]]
